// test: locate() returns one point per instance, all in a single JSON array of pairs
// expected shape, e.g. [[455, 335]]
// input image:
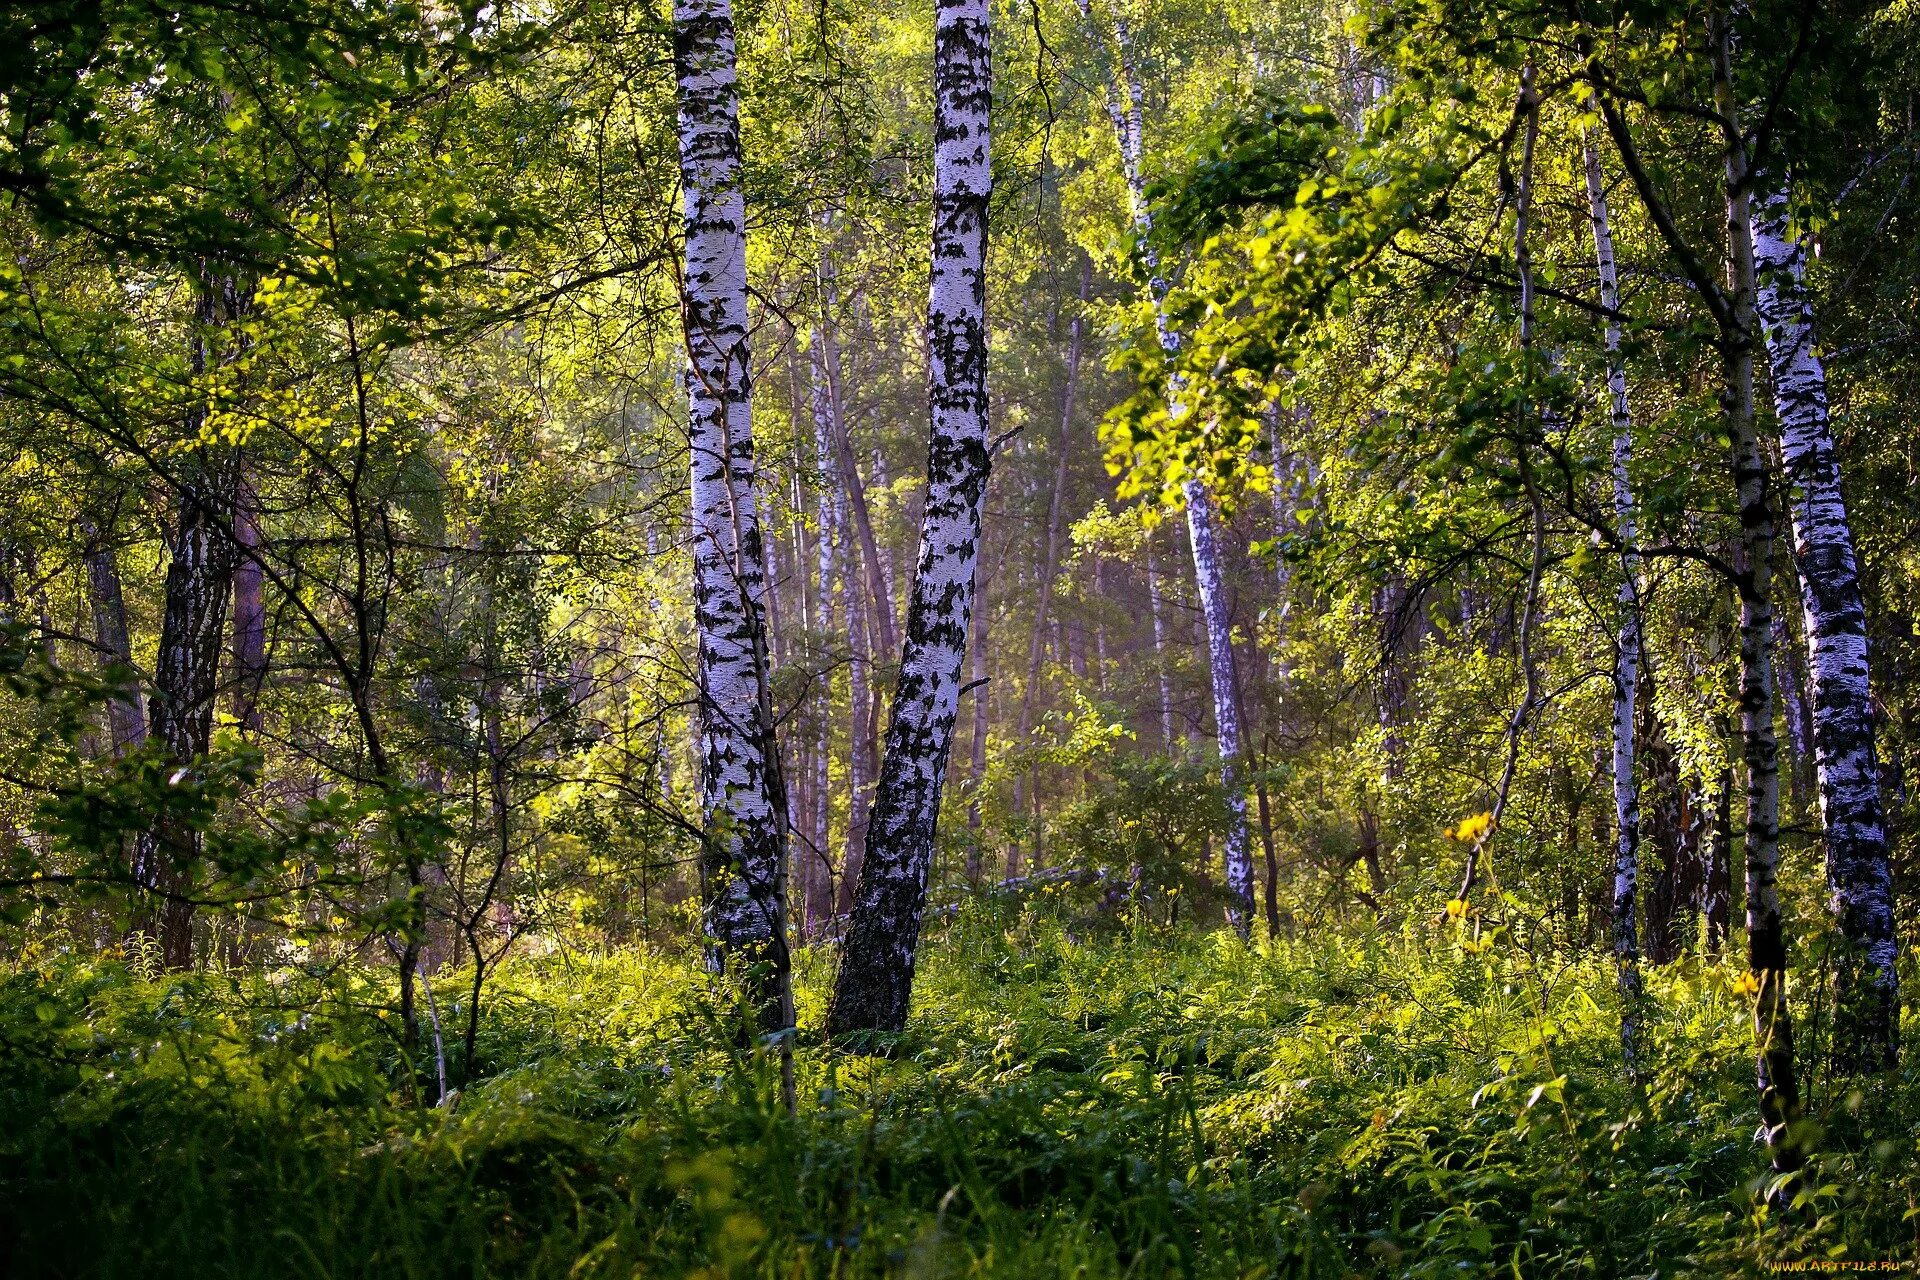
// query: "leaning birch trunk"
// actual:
[[1127, 119], [1860, 887], [877, 963], [1775, 1073], [1626, 662], [742, 809]]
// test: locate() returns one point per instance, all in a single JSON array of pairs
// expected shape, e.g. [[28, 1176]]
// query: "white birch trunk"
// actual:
[[1127, 117], [1858, 880], [877, 963], [1775, 1072], [832, 508], [1156, 605], [1626, 664], [741, 803]]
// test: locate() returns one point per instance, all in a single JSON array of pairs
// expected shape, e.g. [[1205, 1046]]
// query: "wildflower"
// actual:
[[1472, 830]]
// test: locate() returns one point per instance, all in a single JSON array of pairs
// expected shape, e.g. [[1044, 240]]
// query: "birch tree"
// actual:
[[1127, 117], [1866, 981], [1626, 658], [742, 806], [186, 671], [883, 935], [1731, 303]]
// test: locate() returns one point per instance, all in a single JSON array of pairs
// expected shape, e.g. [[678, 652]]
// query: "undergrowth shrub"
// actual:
[[1146, 1104]]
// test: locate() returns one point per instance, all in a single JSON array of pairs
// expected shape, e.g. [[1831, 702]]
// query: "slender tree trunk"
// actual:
[[819, 898], [1156, 605], [860, 770], [1664, 831], [1860, 886], [877, 964], [976, 832], [1213, 607], [1717, 874], [1626, 660], [126, 726], [1790, 679], [1127, 119], [249, 612], [742, 801], [1766, 931], [1056, 525]]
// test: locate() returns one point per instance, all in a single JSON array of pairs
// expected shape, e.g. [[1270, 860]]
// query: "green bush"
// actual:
[[1142, 1105]]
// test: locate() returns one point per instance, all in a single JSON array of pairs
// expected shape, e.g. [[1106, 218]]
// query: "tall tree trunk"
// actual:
[[877, 964], [1866, 982], [1220, 664], [1790, 679], [249, 612], [742, 804], [1127, 118], [1626, 659], [879, 581], [1056, 525], [125, 724], [860, 770], [1664, 831], [976, 832], [1717, 870], [1775, 1073], [819, 893], [186, 673], [1156, 605]]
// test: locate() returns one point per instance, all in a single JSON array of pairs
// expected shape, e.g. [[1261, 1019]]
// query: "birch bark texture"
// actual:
[[1859, 883], [1775, 1073], [875, 980], [1626, 660], [1125, 111], [186, 671], [742, 808]]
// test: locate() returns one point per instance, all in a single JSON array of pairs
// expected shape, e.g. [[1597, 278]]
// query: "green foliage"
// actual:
[[1154, 1104]]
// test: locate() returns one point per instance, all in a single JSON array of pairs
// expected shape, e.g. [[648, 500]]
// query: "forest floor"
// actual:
[[1141, 1104]]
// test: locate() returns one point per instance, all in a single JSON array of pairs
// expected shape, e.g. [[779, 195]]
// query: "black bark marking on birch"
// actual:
[[743, 805], [1859, 880], [875, 981], [1774, 1067]]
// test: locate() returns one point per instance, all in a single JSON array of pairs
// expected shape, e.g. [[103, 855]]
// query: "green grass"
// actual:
[[1137, 1105]]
